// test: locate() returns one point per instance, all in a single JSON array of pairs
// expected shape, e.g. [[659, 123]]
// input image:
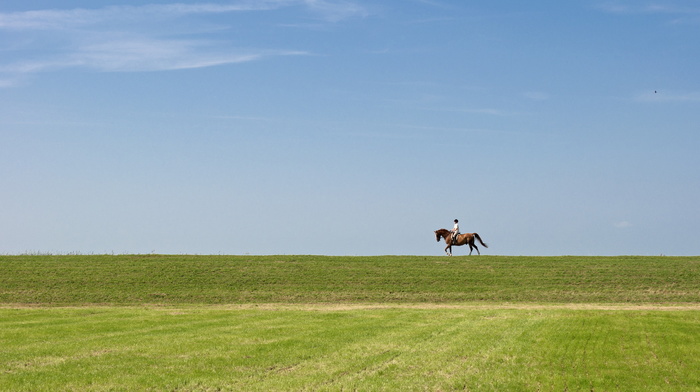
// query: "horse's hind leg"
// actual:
[[473, 246]]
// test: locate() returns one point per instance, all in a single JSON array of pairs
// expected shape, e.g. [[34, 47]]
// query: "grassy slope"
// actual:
[[138, 279]]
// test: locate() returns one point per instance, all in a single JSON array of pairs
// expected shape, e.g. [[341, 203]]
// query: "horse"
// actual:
[[462, 239]]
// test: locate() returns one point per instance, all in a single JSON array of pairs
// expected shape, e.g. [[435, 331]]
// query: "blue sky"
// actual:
[[349, 127]]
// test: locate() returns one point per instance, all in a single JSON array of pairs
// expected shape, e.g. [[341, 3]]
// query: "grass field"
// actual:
[[202, 323], [143, 279]]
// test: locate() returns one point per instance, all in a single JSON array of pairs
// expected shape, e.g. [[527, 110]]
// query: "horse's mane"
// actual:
[[442, 231]]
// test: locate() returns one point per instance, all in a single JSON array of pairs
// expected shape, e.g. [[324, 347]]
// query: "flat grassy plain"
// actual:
[[315, 323]]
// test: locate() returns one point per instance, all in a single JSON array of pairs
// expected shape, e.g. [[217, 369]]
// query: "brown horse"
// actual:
[[462, 239]]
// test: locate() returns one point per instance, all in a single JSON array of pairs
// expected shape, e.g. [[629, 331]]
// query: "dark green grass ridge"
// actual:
[[184, 279]]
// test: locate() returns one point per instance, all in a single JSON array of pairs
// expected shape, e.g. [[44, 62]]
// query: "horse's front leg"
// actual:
[[450, 248]]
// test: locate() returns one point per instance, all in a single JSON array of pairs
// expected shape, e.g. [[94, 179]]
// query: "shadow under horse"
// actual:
[[462, 239]]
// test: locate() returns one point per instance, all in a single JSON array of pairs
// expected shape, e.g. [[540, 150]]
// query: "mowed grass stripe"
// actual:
[[407, 349], [148, 279]]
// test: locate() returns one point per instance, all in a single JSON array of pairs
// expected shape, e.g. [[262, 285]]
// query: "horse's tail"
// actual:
[[482, 242]]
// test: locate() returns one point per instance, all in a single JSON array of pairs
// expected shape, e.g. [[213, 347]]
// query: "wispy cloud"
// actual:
[[62, 19], [139, 38], [664, 96], [148, 54], [637, 7], [4, 83], [536, 95], [54, 19], [436, 3], [140, 54], [484, 111], [681, 13], [622, 224], [335, 11]]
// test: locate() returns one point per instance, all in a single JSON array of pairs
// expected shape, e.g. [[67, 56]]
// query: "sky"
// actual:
[[349, 127]]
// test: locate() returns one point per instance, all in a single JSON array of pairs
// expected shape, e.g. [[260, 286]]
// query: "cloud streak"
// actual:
[[653, 96], [148, 54], [683, 14], [80, 17], [649, 8], [622, 224], [139, 38]]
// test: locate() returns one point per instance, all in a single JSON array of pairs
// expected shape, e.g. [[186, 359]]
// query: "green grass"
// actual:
[[399, 349], [313, 323], [139, 279]]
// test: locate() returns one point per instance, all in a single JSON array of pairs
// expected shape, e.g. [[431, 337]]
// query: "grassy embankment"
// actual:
[[144, 279], [358, 323]]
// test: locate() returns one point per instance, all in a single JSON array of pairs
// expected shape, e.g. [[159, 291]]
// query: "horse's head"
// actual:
[[439, 234]]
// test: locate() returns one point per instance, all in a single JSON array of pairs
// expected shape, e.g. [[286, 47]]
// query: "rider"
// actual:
[[455, 232]]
